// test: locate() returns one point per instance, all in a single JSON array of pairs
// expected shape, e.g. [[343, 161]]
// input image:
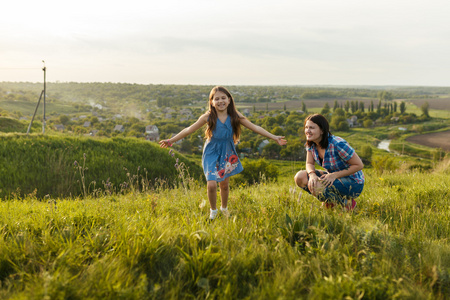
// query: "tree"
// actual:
[[336, 105], [272, 150], [277, 131], [368, 123], [304, 107], [402, 107], [343, 126], [425, 108], [325, 110], [339, 112], [361, 106], [64, 119], [94, 120], [186, 146], [347, 106], [336, 121], [384, 95], [353, 106]]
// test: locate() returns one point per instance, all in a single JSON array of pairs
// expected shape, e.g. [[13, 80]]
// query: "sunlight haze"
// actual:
[[324, 42]]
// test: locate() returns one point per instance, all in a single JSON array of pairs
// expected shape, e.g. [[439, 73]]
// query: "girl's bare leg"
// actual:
[[224, 192], [211, 187]]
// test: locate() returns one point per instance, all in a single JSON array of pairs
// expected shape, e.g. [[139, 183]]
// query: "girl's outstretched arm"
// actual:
[[185, 132], [258, 129]]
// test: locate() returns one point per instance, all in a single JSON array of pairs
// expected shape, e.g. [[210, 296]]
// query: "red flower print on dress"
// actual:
[[233, 159]]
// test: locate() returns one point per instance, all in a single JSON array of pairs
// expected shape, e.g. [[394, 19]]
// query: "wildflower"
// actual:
[[75, 163]]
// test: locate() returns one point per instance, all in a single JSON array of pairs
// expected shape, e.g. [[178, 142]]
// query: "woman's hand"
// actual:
[[327, 179], [315, 185]]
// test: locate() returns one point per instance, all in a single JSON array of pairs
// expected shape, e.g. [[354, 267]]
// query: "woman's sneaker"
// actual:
[[350, 206], [328, 205]]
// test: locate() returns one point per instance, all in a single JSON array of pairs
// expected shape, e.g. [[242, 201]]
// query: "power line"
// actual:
[[18, 68]]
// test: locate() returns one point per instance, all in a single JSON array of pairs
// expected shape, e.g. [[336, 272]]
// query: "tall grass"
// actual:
[[73, 166], [278, 243]]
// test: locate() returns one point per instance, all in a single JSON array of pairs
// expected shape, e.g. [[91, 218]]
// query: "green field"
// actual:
[[278, 243], [27, 108]]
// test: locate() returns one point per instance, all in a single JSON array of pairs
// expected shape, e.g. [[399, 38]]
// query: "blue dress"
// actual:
[[220, 159]]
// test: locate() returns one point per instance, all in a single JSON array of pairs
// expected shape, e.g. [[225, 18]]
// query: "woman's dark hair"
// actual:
[[322, 122]]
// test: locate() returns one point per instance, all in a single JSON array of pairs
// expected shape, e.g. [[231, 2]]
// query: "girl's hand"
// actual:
[[280, 140], [165, 143], [327, 179]]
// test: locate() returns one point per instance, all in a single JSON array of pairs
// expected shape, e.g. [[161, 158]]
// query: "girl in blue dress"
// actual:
[[220, 159]]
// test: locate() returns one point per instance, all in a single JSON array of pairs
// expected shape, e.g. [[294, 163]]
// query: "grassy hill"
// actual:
[[71, 166]]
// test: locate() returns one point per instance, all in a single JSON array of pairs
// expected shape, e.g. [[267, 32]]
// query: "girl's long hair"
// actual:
[[231, 110], [322, 122]]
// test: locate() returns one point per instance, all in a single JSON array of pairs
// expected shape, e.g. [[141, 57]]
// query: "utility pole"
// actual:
[[39, 101], [45, 92]]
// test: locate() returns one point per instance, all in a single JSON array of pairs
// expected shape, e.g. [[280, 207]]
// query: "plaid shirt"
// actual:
[[338, 153]]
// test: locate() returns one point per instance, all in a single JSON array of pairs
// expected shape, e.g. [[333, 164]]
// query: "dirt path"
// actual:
[[434, 140]]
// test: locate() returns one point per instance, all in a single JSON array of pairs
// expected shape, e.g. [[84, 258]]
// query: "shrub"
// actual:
[[368, 123], [384, 163], [366, 152], [255, 172]]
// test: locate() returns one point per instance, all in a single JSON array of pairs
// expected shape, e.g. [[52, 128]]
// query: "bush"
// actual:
[[255, 171], [366, 152], [384, 163], [368, 123]]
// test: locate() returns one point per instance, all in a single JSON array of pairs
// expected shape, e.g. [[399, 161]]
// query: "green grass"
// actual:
[[434, 113], [27, 108], [278, 244], [64, 166]]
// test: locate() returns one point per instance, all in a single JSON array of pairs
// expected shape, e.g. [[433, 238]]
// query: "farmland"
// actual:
[[434, 140]]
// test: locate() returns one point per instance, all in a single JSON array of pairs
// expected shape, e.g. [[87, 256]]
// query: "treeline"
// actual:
[[74, 166], [116, 95]]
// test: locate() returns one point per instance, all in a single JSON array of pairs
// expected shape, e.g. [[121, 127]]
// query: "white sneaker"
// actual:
[[225, 212], [212, 213]]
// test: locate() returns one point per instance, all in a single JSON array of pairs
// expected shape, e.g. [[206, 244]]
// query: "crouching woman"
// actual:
[[342, 180]]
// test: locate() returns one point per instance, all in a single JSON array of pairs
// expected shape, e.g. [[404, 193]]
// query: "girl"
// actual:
[[343, 179], [220, 160]]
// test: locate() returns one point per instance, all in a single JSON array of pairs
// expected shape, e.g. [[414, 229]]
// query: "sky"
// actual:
[[233, 42]]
